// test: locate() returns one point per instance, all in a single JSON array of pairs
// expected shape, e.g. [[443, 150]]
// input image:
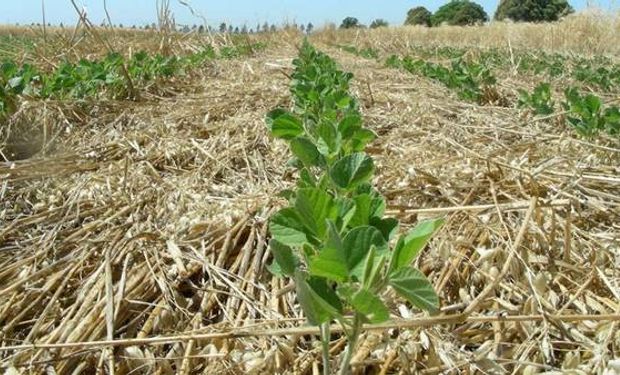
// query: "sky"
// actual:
[[250, 12]]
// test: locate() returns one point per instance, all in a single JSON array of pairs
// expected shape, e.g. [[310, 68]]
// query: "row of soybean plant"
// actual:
[[586, 113], [333, 238], [111, 76]]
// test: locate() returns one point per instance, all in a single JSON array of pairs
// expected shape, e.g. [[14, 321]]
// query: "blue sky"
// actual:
[[129, 12]]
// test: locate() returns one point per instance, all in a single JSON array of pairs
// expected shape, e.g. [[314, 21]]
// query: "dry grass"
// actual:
[[589, 32], [136, 241]]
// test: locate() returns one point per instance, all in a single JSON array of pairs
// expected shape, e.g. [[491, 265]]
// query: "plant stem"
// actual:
[[325, 336], [353, 335]]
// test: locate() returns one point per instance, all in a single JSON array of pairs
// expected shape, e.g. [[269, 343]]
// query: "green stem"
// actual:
[[325, 338], [353, 335]]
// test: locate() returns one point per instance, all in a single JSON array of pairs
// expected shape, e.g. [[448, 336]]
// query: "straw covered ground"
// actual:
[[133, 235]]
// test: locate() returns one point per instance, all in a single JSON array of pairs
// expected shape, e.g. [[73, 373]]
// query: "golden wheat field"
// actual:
[[134, 214]]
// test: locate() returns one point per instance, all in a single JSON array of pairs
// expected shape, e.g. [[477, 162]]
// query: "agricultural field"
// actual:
[[408, 200]]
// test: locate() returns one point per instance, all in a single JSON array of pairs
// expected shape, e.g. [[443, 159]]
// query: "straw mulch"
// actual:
[[148, 220]]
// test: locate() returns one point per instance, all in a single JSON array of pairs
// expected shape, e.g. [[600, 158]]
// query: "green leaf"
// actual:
[[362, 210], [287, 227], [352, 170], [333, 237], [361, 138], [283, 124], [412, 285], [330, 138], [367, 206], [330, 264], [284, 257], [377, 205], [275, 270], [388, 226], [319, 303], [306, 180], [357, 244], [346, 212], [370, 306], [373, 268], [593, 103], [344, 101], [408, 247], [349, 125], [346, 291], [369, 265], [314, 207], [306, 151]]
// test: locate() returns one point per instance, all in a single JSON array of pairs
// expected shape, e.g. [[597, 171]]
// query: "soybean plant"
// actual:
[[333, 238]]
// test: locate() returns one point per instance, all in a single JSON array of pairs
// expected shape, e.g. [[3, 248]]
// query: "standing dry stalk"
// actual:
[[44, 21], [133, 93]]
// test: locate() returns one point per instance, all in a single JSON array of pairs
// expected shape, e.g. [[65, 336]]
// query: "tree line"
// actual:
[[466, 12]]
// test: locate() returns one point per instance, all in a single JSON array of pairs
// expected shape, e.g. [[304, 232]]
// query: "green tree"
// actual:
[[309, 28], [419, 16], [533, 10], [223, 27], [379, 22], [459, 13], [350, 23]]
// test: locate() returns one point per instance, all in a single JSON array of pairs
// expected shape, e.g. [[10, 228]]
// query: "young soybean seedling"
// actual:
[[333, 239], [540, 101]]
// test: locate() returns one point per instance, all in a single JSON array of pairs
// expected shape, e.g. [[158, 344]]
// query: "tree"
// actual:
[[273, 28], [379, 22], [201, 29], [265, 27], [350, 23], [223, 27], [230, 29], [309, 27], [302, 28], [459, 12], [419, 16], [244, 29], [533, 10], [237, 30]]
